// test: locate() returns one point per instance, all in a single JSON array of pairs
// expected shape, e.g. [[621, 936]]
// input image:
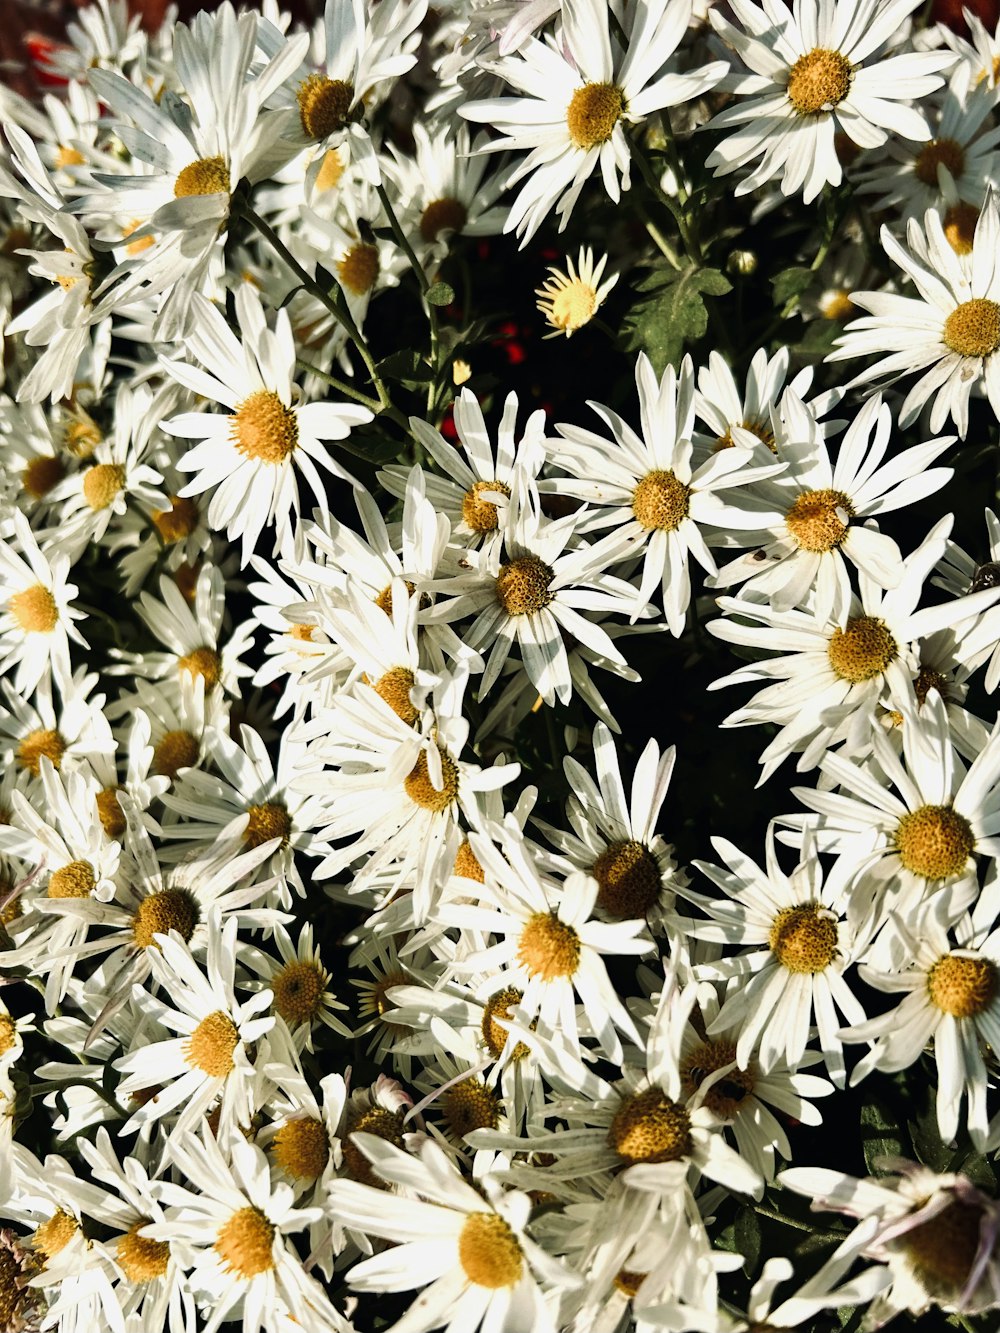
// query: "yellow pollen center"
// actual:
[[442, 215], [944, 1248], [548, 948], [141, 243], [298, 992], [819, 80], [934, 841], [55, 1234], [69, 157], [102, 483], [8, 1033], [382, 1005], [928, 679], [176, 750], [836, 304], [803, 939], [267, 822], [170, 909], [263, 428], [206, 175], [186, 578], [39, 743], [41, 474], [960, 227], [302, 1148], [649, 1127], [324, 105], [944, 151], [82, 437], [110, 813], [177, 522], [501, 1006], [394, 688], [862, 651], [478, 514], [973, 328], [488, 1252], [467, 864], [962, 987], [593, 112], [470, 1105], [660, 501], [728, 1096], [758, 428], [387, 1125], [628, 880], [141, 1258], [245, 1243], [75, 880], [35, 610], [818, 520], [204, 662], [523, 585], [421, 790], [628, 1282], [16, 1299], [331, 170], [211, 1045], [572, 306], [359, 268]]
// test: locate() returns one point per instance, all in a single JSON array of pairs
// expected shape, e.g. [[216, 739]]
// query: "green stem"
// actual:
[[148, 521], [795, 1224], [662, 244], [62, 1084], [98, 614], [425, 285], [690, 239], [340, 385]]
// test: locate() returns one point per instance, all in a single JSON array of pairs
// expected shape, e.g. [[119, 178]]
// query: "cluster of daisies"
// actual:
[[332, 999]]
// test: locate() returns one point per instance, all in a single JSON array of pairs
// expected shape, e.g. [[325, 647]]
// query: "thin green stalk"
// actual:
[[691, 243], [425, 285], [340, 385], [795, 1224]]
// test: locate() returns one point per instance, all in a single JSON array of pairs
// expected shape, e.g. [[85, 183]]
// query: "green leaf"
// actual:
[[671, 312], [881, 1136], [406, 365], [790, 282], [440, 293], [979, 1171], [746, 1234], [927, 1142]]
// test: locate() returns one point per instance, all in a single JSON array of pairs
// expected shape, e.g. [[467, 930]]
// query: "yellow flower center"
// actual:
[[35, 610], [928, 679], [628, 880], [263, 428], [141, 243], [944, 151], [523, 585], [973, 328], [176, 750], [442, 215], [960, 227], [331, 170], [298, 991], [571, 306], [962, 987], [41, 474], [69, 157], [394, 688], [8, 1033], [211, 1045], [944, 1248], [548, 948], [359, 268], [141, 1258], [421, 790], [177, 522], [54, 1235], [728, 1096], [819, 80], [593, 112], [815, 520], [763, 433], [110, 813], [478, 514], [467, 864], [380, 1002], [204, 662], [387, 1125], [75, 880], [324, 104], [206, 175], [804, 939], [102, 483], [16, 1299], [302, 1148], [267, 822], [934, 841], [649, 1127], [660, 501], [39, 743], [82, 437], [501, 1006], [488, 1252], [862, 651], [245, 1243], [836, 304], [470, 1105], [170, 909]]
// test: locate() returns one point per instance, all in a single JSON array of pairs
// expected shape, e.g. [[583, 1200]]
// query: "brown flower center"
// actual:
[[298, 991], [8, 1033], [818, 520], [110, 813], [470, 1105], [819, 80], [548, 948], [934, 841], [467, 864], [649, 1127], [55, 1234], [501, 1006], [973, 328], [170, 909], [177, 522], [804, 939], [628, 880], [204, 662], [263, 428], [478, 514], [488, 1252], [442, 215], [324, 104], [75, 880], [141, 1258], [302, 1148], [176, 750], [387, 1125], [421, 790], [39, 743], [593, 112], [660, 501], [394, 688], [523, 585], [359, 268], [41, 474], [862, 651], [944, 1248], [267, 822], [728, 1096], [960, 227], [944, 151]]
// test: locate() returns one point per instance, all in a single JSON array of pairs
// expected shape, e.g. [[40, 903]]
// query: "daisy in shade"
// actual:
[[37, 618], [949, 333], [644, 485], [469, 1249], [813, 73], [65, 727], [250, 458], [811, 520], [301, 985], [570, 300], [578, 95]]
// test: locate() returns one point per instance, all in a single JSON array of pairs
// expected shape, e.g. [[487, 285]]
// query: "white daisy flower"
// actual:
[[470, 1250], [249, 458], [37, 616], [66, 728], [578, 95], [814, 73], [300, 984], [949, 333], [570, 300]]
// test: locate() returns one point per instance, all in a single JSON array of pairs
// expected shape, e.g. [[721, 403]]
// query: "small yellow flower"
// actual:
[[570, 300]]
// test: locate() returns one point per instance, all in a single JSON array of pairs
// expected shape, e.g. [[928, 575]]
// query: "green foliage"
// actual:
[[671, 311], [791, 282], [881, 1136], [440, 293]]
